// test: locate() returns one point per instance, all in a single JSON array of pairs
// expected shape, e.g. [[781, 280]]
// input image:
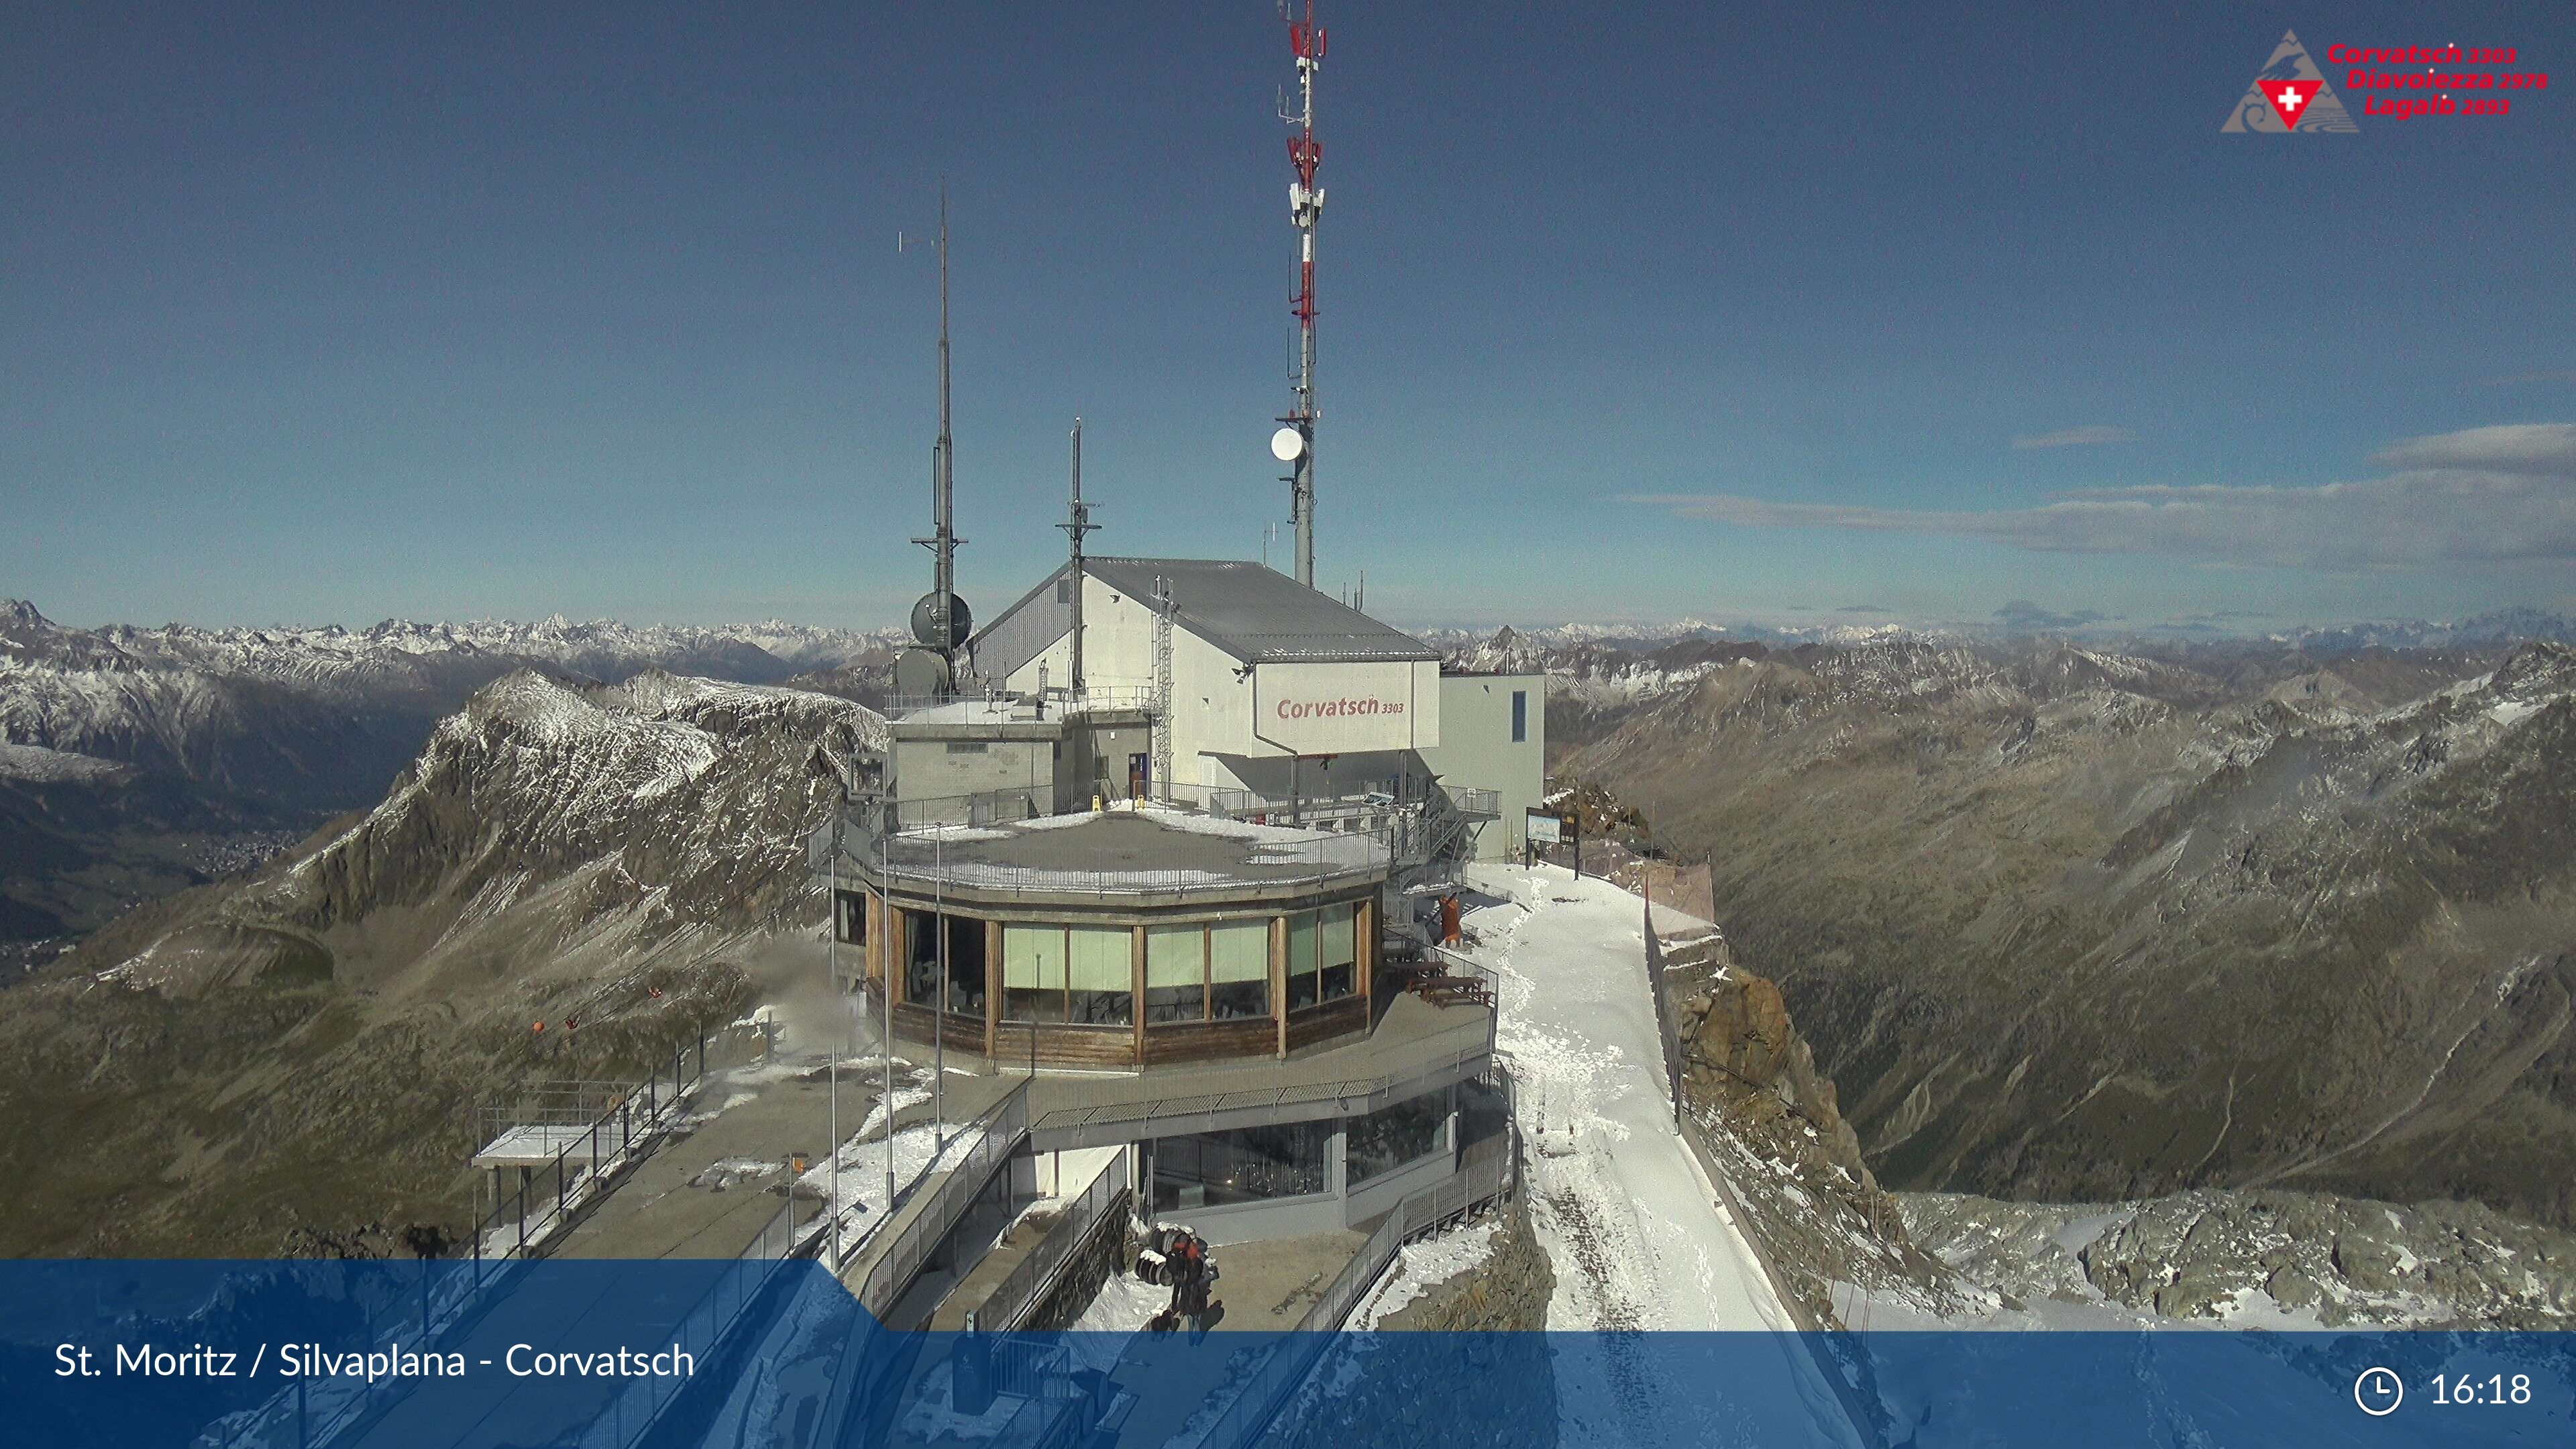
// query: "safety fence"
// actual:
[[1489, 1170], [1102, 1205], [738, 1285], [584, 1156], [997, 1133], [1451, 1055], [621, 1125], [1395, 823]]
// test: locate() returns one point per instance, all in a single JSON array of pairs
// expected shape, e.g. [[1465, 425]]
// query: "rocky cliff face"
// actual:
[[2072, 925], [1770, 1118], [304, 1047], [2259, 1257], [2262, 1258]]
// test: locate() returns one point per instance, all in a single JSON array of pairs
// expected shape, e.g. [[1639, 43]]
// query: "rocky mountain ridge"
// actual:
[[131, 757], [302, 1047], [2071, 924]]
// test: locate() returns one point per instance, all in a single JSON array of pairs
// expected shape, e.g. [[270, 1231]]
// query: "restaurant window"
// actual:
[[850, 917], [1340, 931], [965, 961], [1520, 716], [1100, 970], [1251, 1164], [1239, 969], [1395, 1135], [1176, 973], [1033, 961], [1303, 960]]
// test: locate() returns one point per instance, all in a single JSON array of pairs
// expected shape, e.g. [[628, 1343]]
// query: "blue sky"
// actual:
[[342, 314]]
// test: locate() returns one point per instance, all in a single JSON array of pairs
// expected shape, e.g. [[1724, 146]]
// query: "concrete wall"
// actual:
[[929, 770], [1476, 749], [1099, 757]]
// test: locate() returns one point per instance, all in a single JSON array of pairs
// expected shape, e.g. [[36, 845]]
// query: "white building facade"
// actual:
[[1274, 688]]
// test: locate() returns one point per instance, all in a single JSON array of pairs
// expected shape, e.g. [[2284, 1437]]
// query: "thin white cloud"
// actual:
[[2485, 495], [2086, 437]]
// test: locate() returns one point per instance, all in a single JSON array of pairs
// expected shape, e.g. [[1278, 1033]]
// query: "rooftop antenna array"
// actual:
[[1077, 523], [1294, 443], [941, 621]]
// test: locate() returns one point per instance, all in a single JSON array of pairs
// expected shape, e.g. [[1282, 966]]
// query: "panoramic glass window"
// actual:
[[1176, 973], [1338, 928], [1252, 1164], [1303, 960], [1394, 1135], [1100, 971], [1239, 969], [965, 966], [1032, 973], [921, 957]]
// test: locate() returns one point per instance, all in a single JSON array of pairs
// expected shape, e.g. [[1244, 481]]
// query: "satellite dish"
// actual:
[[926, 622], [920, 674], [1286, 444]]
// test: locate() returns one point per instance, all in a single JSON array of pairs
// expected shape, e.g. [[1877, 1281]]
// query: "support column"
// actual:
[[1364, 952], [1279, 979], [1136, 1001], [869, 957], [992, 988]]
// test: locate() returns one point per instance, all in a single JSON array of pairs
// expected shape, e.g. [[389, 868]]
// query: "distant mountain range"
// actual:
[[2022, 618], [136, 761]]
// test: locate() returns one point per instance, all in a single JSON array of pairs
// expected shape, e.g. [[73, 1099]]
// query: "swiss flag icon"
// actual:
[[2290, 99]]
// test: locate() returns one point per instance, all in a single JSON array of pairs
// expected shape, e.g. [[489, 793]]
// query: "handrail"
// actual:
[[630, 1415], [1463, 1044], [1008, 1306], [1483, 1176], [1000, 1130], [610, 1139]]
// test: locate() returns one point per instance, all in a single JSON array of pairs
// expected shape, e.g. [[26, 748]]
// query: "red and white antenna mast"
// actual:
[[1294, 443]]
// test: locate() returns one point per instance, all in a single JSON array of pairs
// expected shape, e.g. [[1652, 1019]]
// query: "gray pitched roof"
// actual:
[[1250, 611]]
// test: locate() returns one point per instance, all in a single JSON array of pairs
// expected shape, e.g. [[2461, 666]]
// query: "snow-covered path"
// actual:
[[1629, 1221]]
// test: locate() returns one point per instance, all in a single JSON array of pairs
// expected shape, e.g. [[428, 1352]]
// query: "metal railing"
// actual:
[[1412, 821], [1054, 701], [999, 1132], [1104, 1203], [1440, 1059], [547, 1197], [913, 850], [630, 1414], [1489, 1170]]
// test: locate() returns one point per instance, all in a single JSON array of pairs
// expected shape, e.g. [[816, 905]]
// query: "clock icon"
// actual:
[[2378, 1391]]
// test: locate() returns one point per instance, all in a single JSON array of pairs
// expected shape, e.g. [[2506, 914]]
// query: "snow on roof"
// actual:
[[1251, 611]]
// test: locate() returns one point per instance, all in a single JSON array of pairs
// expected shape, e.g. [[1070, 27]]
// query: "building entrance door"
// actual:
[[1140, 772]]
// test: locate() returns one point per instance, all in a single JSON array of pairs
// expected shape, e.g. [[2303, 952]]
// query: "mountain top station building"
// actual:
[[1171, 854]]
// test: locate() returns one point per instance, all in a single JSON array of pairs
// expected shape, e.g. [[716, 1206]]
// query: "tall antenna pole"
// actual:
[[1305, 209], [947, 500], [1077, 523], [943, 539]]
